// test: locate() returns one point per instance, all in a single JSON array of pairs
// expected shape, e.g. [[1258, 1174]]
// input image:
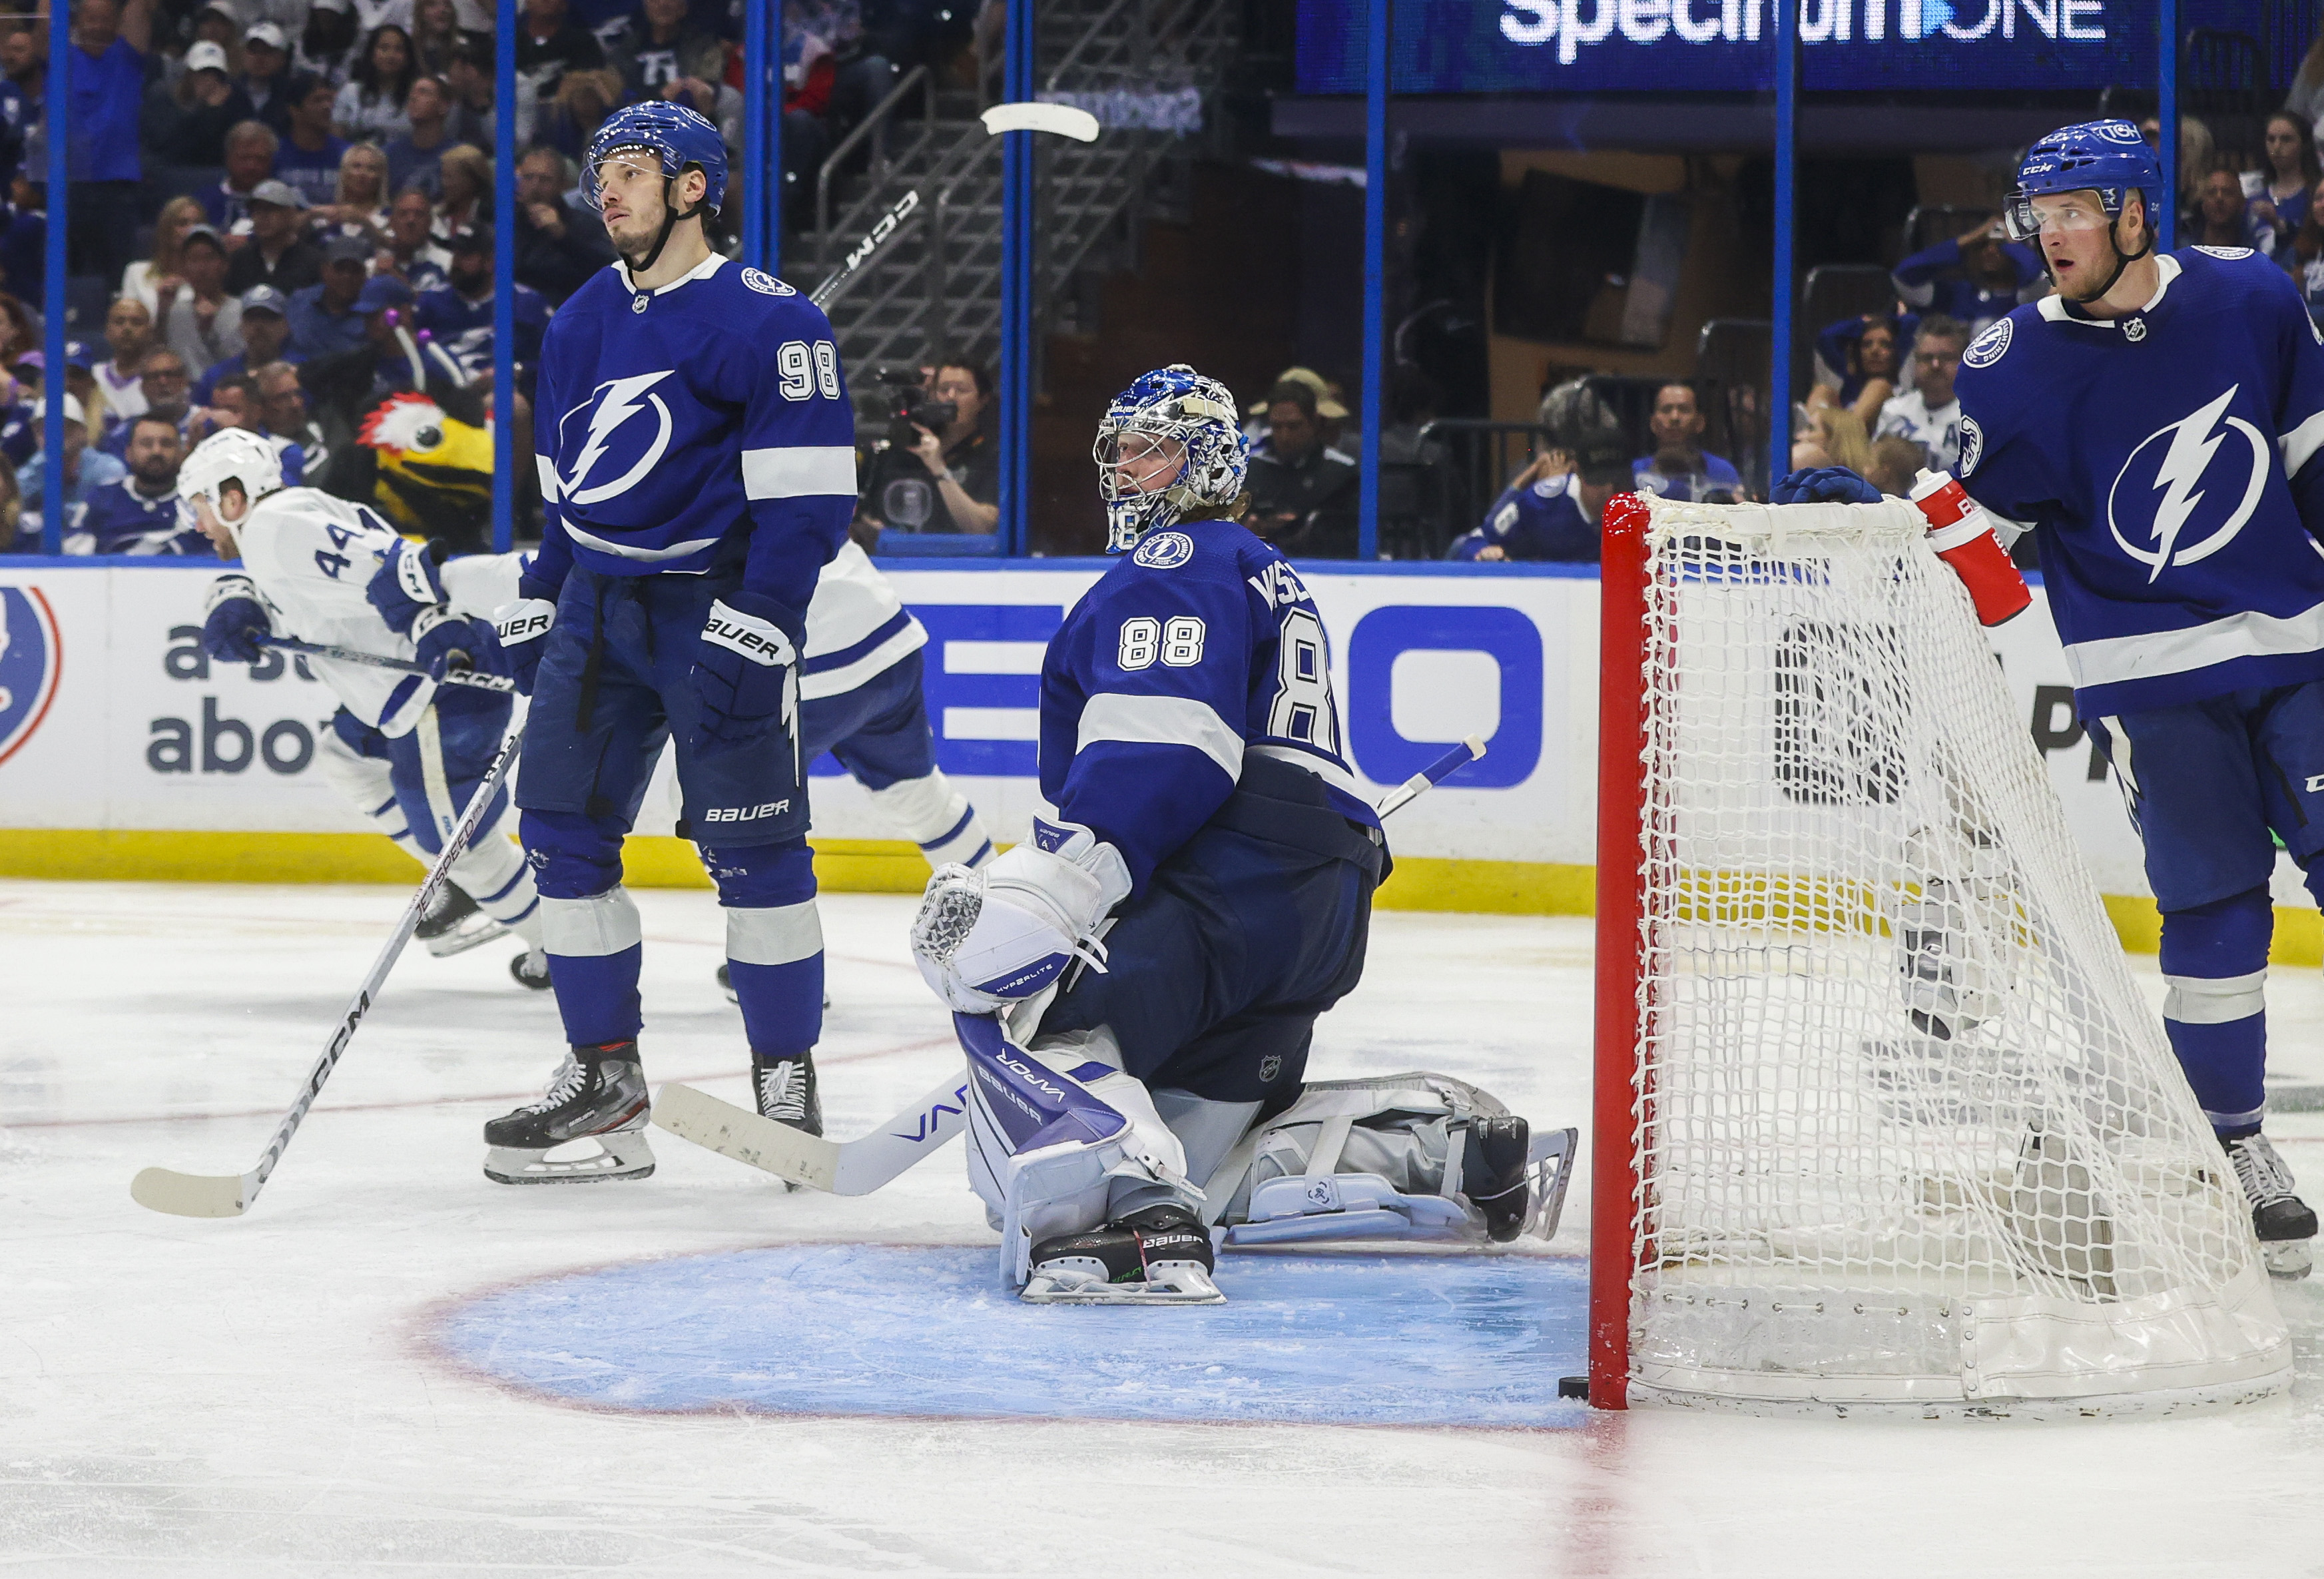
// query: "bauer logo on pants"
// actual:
[[32, 656]]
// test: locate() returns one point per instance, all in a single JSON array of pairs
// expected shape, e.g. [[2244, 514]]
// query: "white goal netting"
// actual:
[[1906, 1132]]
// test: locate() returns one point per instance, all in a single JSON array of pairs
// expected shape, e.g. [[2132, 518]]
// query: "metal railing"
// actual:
[[874, 129]]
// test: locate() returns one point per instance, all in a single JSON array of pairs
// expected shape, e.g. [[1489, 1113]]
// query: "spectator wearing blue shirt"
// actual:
[[323, 317], [140, 512], [309, 156], [1975, 277], [105, 90], [250, 148], [2279, 207], [1858, 361], [2221, 216], [1548, 514], [459, 314], [417, 157], [265, 338], [86, 471], [1680, 467]]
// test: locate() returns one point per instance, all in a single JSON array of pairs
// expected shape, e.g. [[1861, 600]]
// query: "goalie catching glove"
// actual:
[[987, 939]]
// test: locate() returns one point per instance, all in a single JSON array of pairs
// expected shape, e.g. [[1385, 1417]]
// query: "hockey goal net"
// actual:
[[1883, 1119]]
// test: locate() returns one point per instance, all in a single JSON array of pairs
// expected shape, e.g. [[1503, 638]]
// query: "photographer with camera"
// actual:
[[939, 468]]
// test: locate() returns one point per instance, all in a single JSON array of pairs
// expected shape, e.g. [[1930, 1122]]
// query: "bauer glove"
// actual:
[[522, 629], [1823, 485], [448, 642], [746, 670], [405, 583], [234, 620]]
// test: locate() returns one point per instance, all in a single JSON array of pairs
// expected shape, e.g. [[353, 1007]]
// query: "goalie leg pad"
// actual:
[[1050, 1132], [1412, 1156]]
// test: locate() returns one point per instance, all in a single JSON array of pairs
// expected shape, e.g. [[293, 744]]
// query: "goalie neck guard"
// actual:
[[1173, 404]]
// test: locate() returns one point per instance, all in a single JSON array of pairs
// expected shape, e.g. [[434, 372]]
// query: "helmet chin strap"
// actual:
[[670, 218]]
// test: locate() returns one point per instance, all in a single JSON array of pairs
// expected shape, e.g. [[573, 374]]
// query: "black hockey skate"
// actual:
[[1495, 1174], [1158, 1256], [2283, 1223], [596, 1104], [784, 1088], [453, 924], [531, 970]]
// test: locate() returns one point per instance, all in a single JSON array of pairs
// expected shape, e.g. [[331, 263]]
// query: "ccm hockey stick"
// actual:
[[453, 676], [194, 1195], [858, 1167], [1060, 120]]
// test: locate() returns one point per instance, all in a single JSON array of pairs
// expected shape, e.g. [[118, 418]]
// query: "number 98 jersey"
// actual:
[[1201, 647]]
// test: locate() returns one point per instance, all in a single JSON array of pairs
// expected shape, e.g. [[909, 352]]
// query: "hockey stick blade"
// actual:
[[839, 1167], [192, 1195], [1061, 120]]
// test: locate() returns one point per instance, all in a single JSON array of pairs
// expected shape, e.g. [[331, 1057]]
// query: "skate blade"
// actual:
[[1189, 1286], [628, 1157], [2289, 1260], [465, 936]]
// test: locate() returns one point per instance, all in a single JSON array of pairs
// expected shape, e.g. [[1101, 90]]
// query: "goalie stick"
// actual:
[[858, 1167], [195, 1194], [450, 677]]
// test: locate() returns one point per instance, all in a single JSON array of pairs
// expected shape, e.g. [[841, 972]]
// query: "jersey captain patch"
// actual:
[[1164, 551]]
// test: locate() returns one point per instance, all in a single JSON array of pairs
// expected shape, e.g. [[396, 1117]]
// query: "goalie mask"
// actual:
[[1170, 445]]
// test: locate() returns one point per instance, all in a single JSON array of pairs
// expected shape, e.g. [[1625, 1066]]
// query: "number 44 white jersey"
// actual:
[[1198, 647], [311, 556]]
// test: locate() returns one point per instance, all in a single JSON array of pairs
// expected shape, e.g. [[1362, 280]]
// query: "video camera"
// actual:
[[906, 406]]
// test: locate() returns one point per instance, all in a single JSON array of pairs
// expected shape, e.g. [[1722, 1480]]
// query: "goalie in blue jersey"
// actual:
[[697, 460], [2156, 424], [1209, 862]]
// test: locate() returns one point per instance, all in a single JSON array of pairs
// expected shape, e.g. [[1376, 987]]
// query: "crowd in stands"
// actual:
[[280, 212]]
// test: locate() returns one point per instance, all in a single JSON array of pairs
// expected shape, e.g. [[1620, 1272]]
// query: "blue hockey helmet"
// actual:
[[676, 135], [2108, 157], [1170, 405]]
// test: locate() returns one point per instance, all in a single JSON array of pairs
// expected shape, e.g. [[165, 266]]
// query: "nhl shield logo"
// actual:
[[32, 656], [2133, 329]]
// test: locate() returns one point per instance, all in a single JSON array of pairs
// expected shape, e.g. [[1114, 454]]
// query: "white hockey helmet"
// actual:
[[231, 455]]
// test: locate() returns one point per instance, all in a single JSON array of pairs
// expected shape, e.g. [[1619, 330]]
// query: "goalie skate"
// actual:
[[454, 925], [589, 1125], [1159, 1256]]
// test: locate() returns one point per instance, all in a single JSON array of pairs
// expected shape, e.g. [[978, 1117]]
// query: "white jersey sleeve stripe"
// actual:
[[1161, 721], [2116, 658], [800, 471], [549, 491], [2301, 444]]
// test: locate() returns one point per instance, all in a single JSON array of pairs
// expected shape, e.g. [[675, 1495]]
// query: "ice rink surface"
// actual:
[[393, 1366]]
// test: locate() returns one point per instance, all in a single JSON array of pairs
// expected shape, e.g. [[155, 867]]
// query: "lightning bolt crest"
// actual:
[[2193, 442], [619, 403]]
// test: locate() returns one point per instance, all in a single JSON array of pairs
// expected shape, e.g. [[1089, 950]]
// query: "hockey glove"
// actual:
[[1824, 484], [234, 621], [405, 583], [746, 670], [985, 939], [520, 627], [448, 642]]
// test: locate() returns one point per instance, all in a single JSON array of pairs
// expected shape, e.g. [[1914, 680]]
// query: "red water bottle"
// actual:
[[1962, 535]]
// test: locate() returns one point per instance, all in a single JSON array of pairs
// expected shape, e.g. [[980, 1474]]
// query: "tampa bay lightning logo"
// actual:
[[1972, 445], [1164, 551], [2229, 253], [623, 428], [2189, 488], [766, 284], [1987, 347], [30, 657]]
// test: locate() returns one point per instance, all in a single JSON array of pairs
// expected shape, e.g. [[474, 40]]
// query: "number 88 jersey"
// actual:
[[1201, 647]]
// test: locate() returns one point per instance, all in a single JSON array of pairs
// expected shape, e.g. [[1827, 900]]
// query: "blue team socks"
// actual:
[[2214, 962], [782, 1005], [597, 995]]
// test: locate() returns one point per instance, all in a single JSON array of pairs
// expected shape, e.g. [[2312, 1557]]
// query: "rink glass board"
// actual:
[[928, 1331], [135, 730]]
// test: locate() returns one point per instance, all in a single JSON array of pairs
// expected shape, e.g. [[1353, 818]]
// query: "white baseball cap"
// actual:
[[206, 56], [73, 413], [266, 33]]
